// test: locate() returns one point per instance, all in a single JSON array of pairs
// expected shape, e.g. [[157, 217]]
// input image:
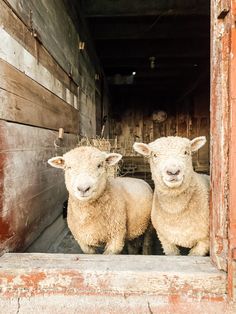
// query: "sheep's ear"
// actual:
[[197, 143], [112, 159], [142, 149], [57, 162]]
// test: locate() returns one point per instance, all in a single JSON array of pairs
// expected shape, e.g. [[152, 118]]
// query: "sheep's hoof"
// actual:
[[88, 249], [174, 251], [196, 252]]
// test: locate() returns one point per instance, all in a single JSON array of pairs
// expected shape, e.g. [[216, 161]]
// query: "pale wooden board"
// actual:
[[25, 101], [61, 42], [87, 116], [15, 54], [56, 30], [24, 36], [32, 192], [114, 274]]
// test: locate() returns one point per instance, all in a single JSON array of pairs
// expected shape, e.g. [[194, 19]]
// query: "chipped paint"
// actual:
[[220, 41]]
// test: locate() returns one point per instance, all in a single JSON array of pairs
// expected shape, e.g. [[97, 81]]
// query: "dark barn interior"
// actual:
[[156, 60]]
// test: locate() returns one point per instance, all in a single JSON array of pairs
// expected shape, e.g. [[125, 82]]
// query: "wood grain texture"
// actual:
[[110, 275], [232, 160], [133, 121], [15, 54], [46, 19], [87, 114], [32, 193], [25, 101], [24, 36], [220, 43]]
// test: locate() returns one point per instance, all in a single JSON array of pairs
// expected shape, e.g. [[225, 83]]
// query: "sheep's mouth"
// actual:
[[173, 182], [83, 197]]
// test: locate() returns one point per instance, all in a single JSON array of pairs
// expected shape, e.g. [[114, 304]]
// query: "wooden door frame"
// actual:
[[223, 138], [232, 159]]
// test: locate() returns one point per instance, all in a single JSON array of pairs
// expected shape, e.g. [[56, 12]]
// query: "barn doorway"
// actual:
[[159, 85], [156, 62]]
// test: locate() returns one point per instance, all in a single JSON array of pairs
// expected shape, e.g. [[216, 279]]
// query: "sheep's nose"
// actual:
[[173, 173], [83, 189]]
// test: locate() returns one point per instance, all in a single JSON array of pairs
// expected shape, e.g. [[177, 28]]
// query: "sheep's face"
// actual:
[[171, 159], [85, 171]]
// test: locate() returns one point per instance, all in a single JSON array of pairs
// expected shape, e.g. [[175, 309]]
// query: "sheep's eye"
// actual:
[[186, 153], [155, 155], [99, 165]]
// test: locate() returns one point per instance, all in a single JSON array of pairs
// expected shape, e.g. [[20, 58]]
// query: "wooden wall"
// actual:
[[133, 121], [46, 83]]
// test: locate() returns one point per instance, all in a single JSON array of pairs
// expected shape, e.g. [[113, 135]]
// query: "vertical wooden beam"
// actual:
[[220, 42], [232, 159]]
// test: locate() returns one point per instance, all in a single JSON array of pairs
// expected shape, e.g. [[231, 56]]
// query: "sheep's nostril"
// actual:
[[88, 188], [172, 173], [83, 189]]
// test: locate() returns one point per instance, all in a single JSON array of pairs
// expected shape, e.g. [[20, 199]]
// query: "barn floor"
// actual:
[[57, 238]]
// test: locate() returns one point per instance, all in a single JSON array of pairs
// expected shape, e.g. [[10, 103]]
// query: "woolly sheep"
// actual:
[[180, 212], [103, 210]]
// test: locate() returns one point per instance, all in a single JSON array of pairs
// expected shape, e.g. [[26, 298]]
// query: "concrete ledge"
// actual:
[[61, 304], [35, 274]]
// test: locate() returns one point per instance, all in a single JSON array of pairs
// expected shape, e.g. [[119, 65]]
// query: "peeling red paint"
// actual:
[[33, 280]]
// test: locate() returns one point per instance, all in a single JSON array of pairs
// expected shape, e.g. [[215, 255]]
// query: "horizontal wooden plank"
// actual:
[[32, 192], [36, 274], [25, 101], [54, 28], [24, 36], [15, 54]]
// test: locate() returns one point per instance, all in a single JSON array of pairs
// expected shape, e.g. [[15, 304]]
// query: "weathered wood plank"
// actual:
[[46, 19], [220, 43], [16, 55], [25, 101], [32, 193], [24, 36], [232, 159], [26, 275], [87, 114]]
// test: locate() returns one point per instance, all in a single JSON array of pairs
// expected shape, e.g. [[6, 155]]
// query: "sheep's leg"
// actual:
[[134, 246], [148, 240], [168, 248], [201, 248], [87, 249], [115, 246]]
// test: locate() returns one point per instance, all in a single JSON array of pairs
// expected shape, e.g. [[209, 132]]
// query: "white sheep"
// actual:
[[180, 212], [103, 210]]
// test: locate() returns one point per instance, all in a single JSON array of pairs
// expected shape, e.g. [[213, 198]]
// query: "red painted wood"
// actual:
[[232, 160], [220, 43]]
